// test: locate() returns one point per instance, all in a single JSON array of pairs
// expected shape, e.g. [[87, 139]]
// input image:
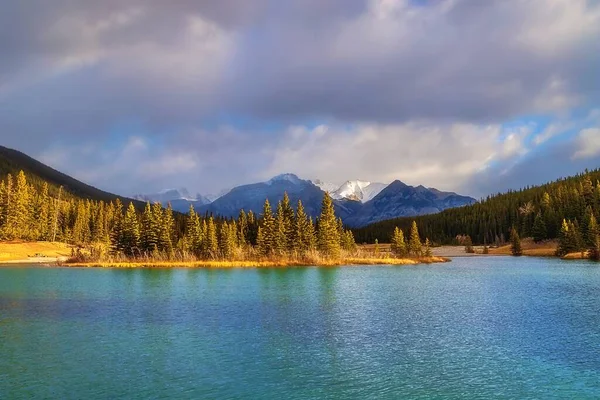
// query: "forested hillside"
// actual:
[[13, 161], [542, 212], [28, 213]]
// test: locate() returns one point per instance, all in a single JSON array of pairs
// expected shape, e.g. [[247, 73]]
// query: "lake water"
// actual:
[[474, 328]]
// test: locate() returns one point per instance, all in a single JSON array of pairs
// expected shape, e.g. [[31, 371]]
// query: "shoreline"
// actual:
[[260, 264]]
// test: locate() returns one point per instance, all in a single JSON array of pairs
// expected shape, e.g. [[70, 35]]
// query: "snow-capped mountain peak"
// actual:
[[358, 190], [325, 186]]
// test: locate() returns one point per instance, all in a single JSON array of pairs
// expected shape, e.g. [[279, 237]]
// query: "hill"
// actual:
[[536, 211], [13, 161]]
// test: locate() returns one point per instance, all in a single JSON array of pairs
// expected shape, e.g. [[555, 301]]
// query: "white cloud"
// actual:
[[588, 143]]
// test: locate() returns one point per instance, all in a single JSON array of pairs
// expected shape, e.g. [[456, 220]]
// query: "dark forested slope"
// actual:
[[534, 211]]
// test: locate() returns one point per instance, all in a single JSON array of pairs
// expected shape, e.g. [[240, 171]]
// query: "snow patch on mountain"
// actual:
[[358, 190], [325, 186]]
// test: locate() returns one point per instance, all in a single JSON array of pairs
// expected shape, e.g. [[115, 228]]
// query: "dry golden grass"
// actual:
[[277, 262], [530, 248], [20, 251]]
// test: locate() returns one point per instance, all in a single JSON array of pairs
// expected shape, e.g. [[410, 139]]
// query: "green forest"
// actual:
[[29, 212], [566, 209]]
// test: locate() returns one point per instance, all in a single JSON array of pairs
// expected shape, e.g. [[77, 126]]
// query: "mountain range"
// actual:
[[357, 202]]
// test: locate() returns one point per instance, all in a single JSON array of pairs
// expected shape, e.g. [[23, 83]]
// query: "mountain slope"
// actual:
[[490, 221], [252, 197], [399, 199], [180, 199], [13, 161]]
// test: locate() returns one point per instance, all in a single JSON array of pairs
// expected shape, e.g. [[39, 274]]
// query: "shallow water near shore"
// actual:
[[483, 327]]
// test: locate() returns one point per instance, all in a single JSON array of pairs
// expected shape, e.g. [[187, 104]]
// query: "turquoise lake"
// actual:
[[494, 327]]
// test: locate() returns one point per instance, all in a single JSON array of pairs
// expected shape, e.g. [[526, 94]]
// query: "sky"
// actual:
[[135, 96]]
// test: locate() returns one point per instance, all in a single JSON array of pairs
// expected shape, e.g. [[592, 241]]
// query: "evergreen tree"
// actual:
[[398, 244], [539, 231], [427, 248], [348, 243], [515, 243], [304, 232], [225, 244], [43, 213], [280, 230], [414, 244], [148, 236], [289, 224], [242, 229], [592, 231], [167, 231], [329, 236], [130, 235], [212, 243], [266, 238]]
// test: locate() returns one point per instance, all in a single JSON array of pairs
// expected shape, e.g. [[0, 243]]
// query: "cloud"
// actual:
[[209, 94], [588, 143]]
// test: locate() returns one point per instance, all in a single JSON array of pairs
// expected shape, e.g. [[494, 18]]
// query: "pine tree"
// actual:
[[212, 243], [515, 243], [348, 243], [414, 244], [280, 230], [148, 236], [43, 213], [225, 247], [267, 231], [398, 244], [592, 231], [427, 248], [130, 235], [167, 231], [329, 236], [242, 229], [539, 231], [289, 224]]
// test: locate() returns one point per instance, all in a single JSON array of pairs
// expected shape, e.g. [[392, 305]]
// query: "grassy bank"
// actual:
[[16, 251], [279, 263]]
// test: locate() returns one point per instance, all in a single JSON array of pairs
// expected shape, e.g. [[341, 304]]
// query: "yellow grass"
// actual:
[[19, 251], [264, 263], [530, 248]]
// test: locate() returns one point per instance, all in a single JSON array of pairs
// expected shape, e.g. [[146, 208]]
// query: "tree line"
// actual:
[[566, 209], [29, 212]]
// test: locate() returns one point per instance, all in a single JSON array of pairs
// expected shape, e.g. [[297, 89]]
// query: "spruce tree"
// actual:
[[398, 244], [289, 224], [148, 237], [414, 244], [167, 231], [427, 248], [280, 239], [242, 229], [328, 233], [539, 231], [592, 231], [130, 235], [515, 243], [266, 239], [212, 243]]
